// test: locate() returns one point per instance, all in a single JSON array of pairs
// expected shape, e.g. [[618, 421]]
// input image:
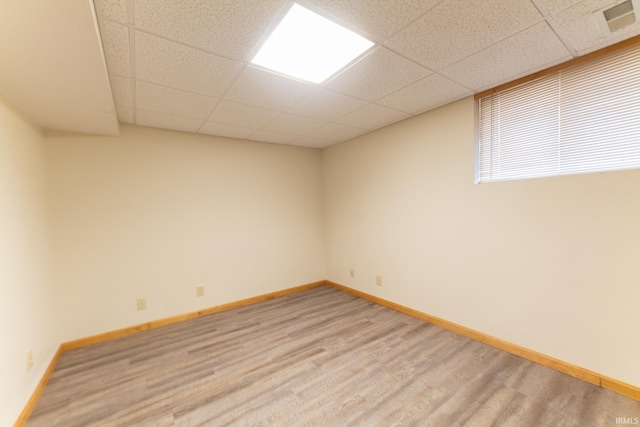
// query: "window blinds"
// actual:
[[581, 119]]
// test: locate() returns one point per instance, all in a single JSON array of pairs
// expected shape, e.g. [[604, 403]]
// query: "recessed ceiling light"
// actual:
[[309, 47]]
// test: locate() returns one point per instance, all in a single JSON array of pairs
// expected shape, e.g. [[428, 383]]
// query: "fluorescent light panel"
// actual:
[[309, 47]]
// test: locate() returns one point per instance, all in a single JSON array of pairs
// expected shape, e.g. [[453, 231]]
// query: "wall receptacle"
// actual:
[[379, 280], [29, 360], [200, 290], [352, 273], [142, 303]]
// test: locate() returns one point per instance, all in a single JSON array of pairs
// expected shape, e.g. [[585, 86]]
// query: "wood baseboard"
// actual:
[[107, 336], [619, 387], [95, 339], [33, 400]]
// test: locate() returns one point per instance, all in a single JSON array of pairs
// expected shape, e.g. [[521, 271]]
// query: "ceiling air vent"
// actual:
[[620, 15]]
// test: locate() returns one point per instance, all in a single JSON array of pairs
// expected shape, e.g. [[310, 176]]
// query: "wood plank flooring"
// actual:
[[320, 357]]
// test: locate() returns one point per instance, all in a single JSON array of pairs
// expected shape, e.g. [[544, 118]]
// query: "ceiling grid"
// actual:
[[185, 65]]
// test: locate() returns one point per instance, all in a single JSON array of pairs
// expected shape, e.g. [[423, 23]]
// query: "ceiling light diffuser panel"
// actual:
[[309, 47]]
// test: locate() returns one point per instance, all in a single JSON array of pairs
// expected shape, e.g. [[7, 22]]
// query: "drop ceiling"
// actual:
[[184, 65]]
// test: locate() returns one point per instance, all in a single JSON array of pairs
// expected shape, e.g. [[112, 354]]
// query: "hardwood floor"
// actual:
[[320, 357]]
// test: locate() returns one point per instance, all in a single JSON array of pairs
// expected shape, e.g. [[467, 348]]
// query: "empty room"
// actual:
[[320, 212]]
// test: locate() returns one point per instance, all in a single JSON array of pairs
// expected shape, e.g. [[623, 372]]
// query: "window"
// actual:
[[585, 118]]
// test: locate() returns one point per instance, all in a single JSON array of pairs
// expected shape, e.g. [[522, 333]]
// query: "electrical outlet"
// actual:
[[352, 273], [29, 360], [379, 280], [142, 303], [200, 290]]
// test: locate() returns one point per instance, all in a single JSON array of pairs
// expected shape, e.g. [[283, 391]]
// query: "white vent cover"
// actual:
[[616, 18]]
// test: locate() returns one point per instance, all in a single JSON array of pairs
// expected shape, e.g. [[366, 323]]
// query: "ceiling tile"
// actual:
[[372, 116], [377, 74], [115, 41], [268, 90], [430, 92], [379, 19], [125, 114], [529, 51], [336, 132], [326, 105], [174, 102], [222, 129], [237, 114], [174, 65], [165, 121], [121, 88], [274, 137], [115, 10], [554, 6], [291, 123], [191, 54], [580, 28], [456, 29], [231, 28], [306, 141]]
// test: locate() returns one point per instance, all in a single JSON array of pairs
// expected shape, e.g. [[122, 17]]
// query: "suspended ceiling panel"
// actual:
[[184, 64]]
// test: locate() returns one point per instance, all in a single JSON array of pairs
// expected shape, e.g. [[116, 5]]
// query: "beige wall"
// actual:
[[551, 264], [27, 311], [154, 213]]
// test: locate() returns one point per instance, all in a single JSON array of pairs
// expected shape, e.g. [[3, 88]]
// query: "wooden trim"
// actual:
[[106, 336], [619, 387], [95, 339], [633, 41], [35, 396]]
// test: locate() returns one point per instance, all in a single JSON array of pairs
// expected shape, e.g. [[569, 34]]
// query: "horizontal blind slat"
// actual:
[[582, 119]]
